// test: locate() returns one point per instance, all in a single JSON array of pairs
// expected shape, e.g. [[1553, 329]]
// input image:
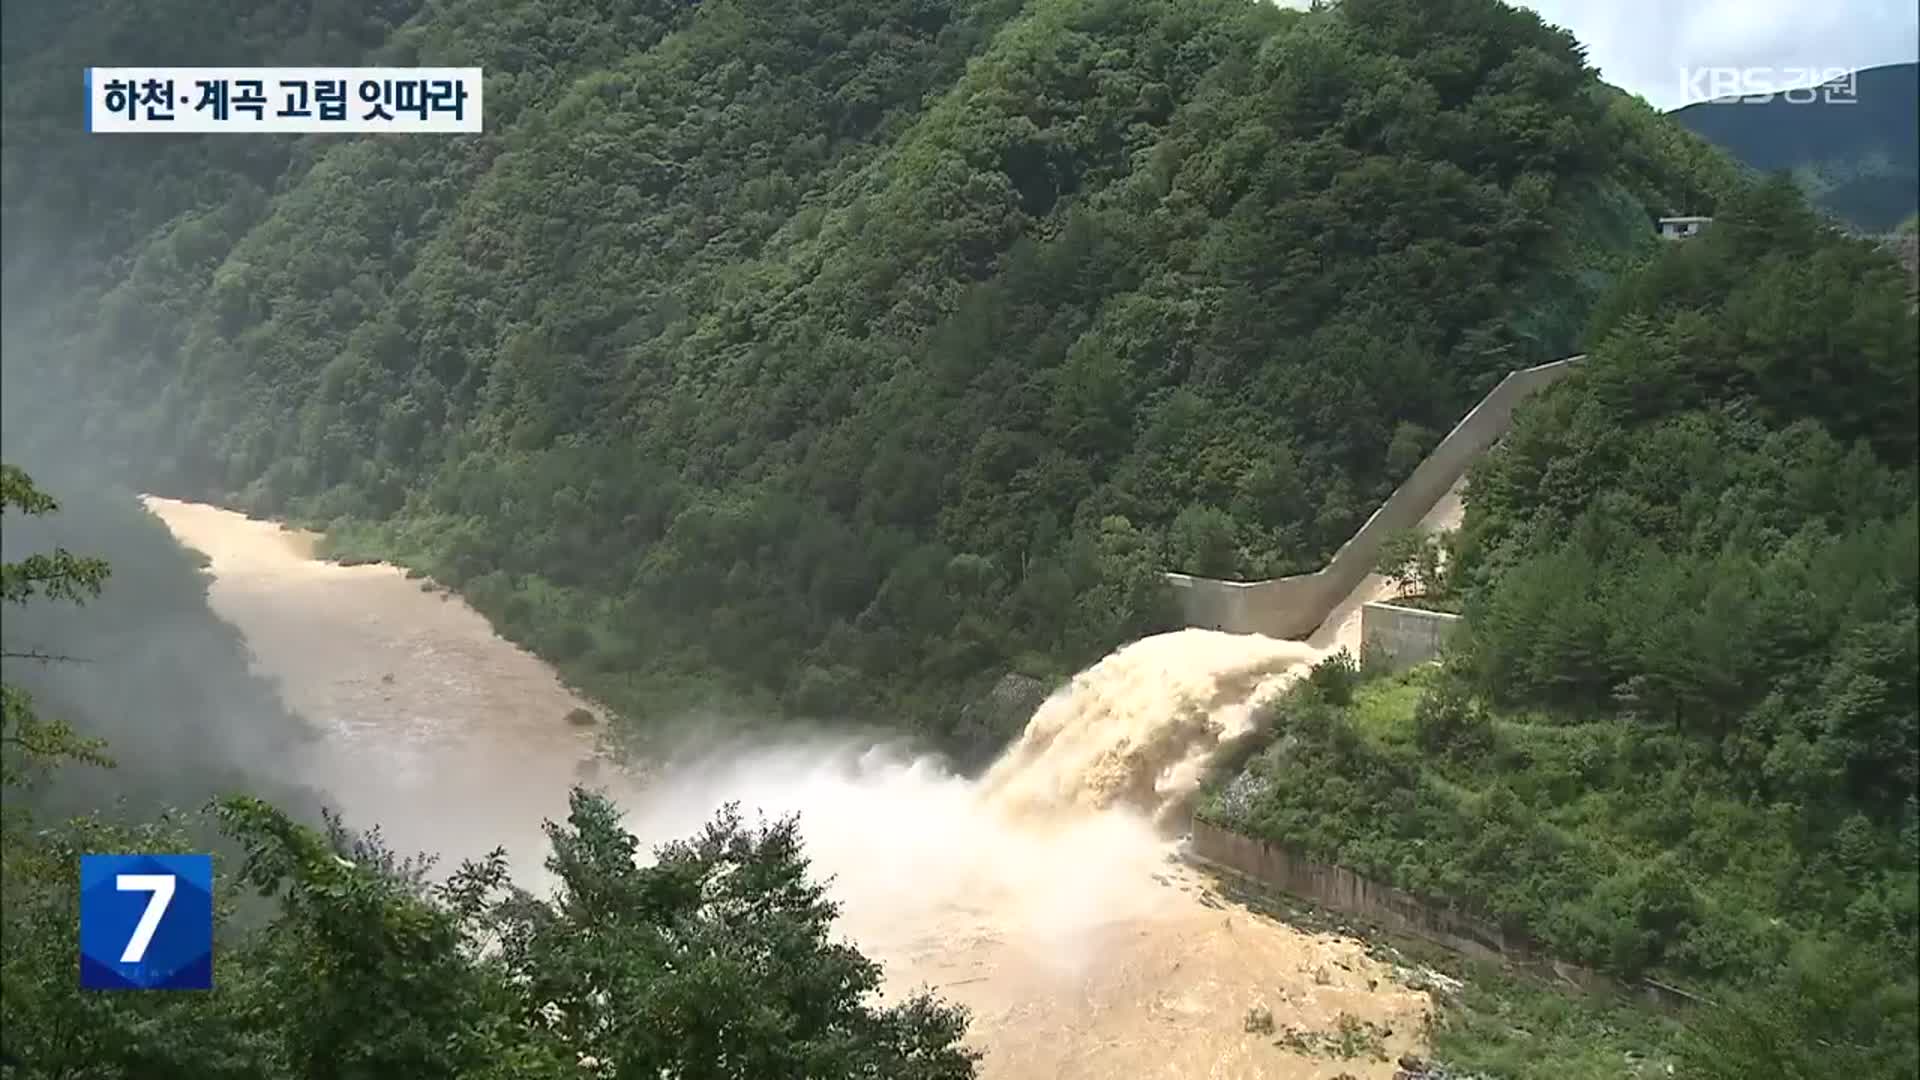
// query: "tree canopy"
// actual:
[[844, 356], [1680, 734]]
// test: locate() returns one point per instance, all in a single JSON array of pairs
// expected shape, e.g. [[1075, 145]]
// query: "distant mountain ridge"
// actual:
[[1858, 158]]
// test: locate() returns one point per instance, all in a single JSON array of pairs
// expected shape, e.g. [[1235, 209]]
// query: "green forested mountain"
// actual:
[[1680, 733], [845, 356], [850, 352], [1857, 157]]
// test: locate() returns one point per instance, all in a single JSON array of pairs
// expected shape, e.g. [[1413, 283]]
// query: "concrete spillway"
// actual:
[[1296, 607]]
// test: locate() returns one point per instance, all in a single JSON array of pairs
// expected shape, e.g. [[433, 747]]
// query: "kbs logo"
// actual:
[[146, 922], [1756, 85]]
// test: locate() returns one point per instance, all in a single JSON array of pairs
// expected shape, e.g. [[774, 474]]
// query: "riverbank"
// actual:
[[421, 706]]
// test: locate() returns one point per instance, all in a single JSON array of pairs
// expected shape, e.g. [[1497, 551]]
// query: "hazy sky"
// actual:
[[1642, 46]]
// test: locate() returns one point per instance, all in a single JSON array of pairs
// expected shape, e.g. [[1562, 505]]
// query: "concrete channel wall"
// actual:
[[1293, 606], [1273, 867], [1340, 889], [1407, 637]]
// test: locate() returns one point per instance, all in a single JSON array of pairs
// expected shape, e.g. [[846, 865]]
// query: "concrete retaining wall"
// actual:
[[1406, 636], [1342, 890], [1336, 888], [1294, 606]]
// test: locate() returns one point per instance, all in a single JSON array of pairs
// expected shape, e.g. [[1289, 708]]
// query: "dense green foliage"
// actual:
[[857, 353], [1680, 733], [714, 961], [1858, 158]]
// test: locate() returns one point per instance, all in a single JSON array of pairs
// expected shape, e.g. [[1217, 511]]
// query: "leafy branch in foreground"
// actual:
[[61, 575]]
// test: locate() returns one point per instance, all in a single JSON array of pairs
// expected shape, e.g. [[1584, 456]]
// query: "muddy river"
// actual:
[[1041, 896]]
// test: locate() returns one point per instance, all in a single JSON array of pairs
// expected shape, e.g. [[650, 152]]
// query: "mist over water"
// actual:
[[1062, 834], [914, 853], [1044, 895], [1136, 730]]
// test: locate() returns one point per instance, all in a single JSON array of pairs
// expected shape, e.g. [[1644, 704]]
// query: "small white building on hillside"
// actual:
[[1679, 228]]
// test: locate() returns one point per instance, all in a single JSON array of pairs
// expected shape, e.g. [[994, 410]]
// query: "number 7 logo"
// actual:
[[146, 922], [161, 886]]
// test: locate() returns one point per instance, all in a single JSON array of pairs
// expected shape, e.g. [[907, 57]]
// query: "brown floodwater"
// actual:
[[1046, 895]]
